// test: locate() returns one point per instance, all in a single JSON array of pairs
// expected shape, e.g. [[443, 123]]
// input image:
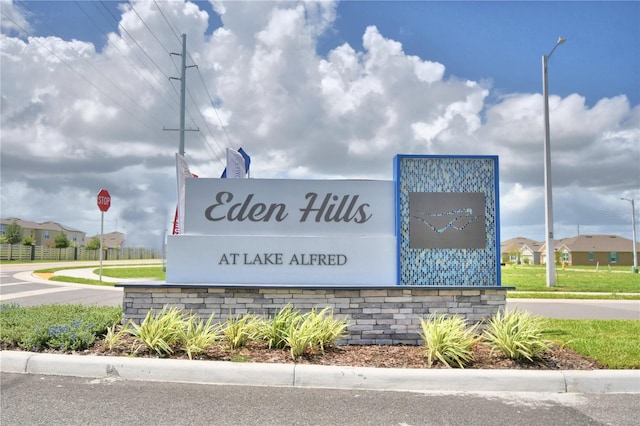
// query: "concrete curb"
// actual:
[[315, 376]]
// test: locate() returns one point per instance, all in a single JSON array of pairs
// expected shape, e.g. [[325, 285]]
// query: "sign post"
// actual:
[[104, 202]]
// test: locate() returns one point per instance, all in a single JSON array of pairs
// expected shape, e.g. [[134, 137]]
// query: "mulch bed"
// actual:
[[379, 356]]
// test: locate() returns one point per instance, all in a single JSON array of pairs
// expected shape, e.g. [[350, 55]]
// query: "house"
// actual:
[[110, 241], [594, 250], [520, 250], [44, 233]]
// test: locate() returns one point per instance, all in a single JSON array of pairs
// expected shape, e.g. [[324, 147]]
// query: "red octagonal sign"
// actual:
[[104, 200]]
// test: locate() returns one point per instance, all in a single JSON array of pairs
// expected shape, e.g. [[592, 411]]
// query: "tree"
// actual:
[[94, 244], [13, 233], [28, 240], [61, 241]]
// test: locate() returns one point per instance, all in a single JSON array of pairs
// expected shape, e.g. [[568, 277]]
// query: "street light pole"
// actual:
[[633, 231], [548, 202]]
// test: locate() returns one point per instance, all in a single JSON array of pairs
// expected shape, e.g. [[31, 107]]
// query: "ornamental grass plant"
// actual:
[[198, 335], [516, 334], [238, 330], [159, 332], [329, 329], [274, 330], [301, 333], [448, 340]]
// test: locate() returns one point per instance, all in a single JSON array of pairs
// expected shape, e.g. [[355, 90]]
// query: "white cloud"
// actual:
[[75, 120], [15, 22]]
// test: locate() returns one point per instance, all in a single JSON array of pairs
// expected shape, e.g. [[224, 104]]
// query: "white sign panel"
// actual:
[[324, 261], [289, 207], [283, 231]]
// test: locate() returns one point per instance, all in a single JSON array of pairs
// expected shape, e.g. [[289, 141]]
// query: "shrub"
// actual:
[[239, 330], [113, 337], [160, 333], [448, 340], [274, 330], [301, 337], [75, 336], [516, 334], [329, 330], [199, 335], [314, 330], [64, 327]]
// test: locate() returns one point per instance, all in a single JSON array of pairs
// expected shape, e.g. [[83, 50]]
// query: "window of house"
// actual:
[[591, 256], [613, 257], [46, 235], [565, 256]]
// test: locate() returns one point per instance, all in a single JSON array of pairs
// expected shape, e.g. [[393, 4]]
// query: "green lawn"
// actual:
[[152, 273], [613, 343], [533, 279]]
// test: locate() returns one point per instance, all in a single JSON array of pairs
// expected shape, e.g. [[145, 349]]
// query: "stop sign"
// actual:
[[104, 200]]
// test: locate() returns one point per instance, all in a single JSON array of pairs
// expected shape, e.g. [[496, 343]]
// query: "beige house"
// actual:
[[110, 240], [44, 233], [593, 250], [520, 250]]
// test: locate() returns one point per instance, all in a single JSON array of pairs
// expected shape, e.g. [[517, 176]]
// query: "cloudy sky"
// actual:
[[316, 90]]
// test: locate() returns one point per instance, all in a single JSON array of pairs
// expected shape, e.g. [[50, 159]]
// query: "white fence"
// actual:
[[28, 253]]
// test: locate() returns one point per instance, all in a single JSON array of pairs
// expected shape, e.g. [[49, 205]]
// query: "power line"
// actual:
[[107, 13], [134, 40], [214, 108], [84, 59], [204, 120], [171, 103], [62, 60], [177, 34], [149, 29]]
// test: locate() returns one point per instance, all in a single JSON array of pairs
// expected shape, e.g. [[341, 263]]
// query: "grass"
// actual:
[[583, 296], [152, 273], [155, 273], [532, 279], [613, 343]]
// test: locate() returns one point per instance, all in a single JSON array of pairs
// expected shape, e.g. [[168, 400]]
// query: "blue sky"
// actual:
[[318, 90], [502, 41]]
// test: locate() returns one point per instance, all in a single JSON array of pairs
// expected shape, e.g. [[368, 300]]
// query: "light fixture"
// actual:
[[548, 201]]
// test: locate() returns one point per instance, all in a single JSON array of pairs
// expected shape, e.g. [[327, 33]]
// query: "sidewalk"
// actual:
[[315, 376]]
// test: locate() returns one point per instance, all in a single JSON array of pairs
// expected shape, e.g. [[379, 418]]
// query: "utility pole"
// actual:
[[183, 89], [633, 231]]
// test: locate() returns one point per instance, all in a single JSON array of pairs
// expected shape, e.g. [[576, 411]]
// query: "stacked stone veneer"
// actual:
[[384, 316]]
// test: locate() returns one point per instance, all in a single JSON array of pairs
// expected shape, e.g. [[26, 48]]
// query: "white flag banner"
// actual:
[[183, 173], [235, 165]]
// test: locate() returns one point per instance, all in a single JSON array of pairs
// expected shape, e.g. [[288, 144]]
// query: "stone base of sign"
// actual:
[[376, 315]]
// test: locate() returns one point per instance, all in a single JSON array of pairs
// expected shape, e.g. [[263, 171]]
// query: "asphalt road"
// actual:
[[31, 399], [18, 285]]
